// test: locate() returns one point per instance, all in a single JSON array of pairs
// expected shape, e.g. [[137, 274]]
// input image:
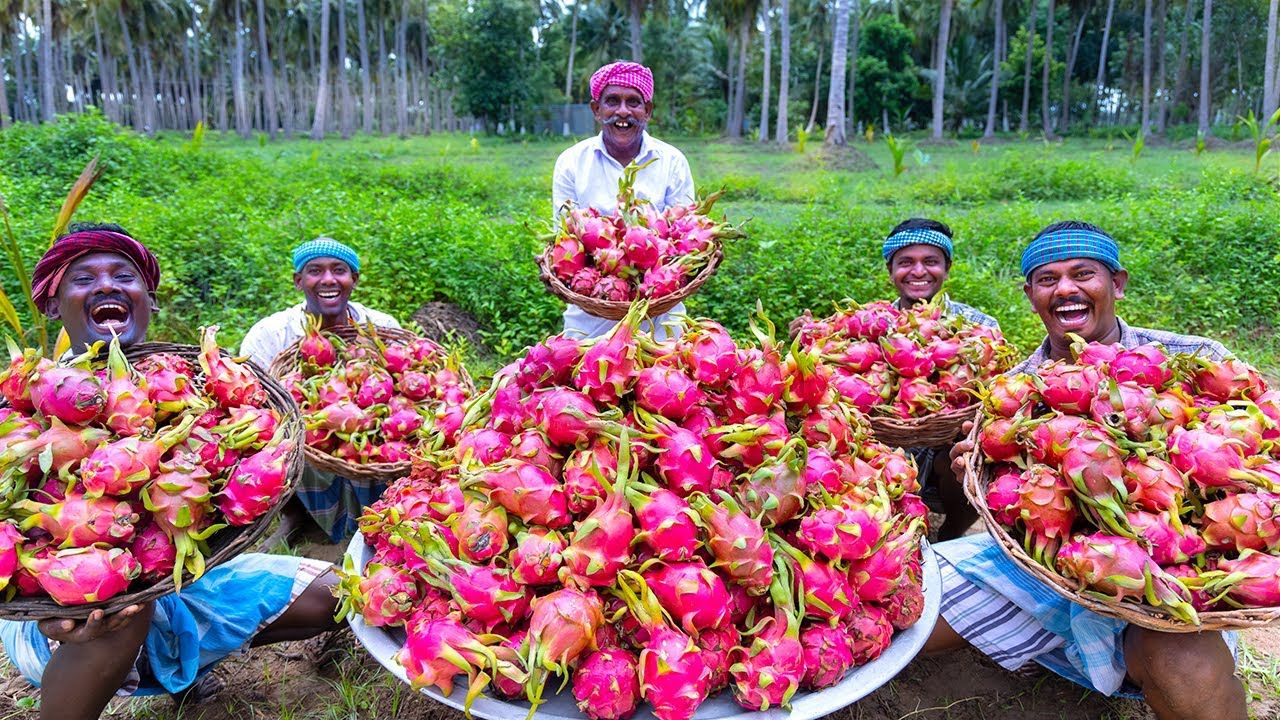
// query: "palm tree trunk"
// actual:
[[197, 89], [288, 117], [322, 80], [149, 90], [344, 87], [940, 66], [817, 89], [1145, 124], [835, 94], [1270, 94], [764, 82], [636, 8], [855, 41], [19, 73], [1023, 123], [268, 74], [1180, 74], [1162, 92], [992, 101], [366, 85], [383, 99], [781, 131], [568, 73], [402, 87], [220, 94], [45, 65], [740, 100], [1046, 119], [1072, 53], [108, 108], [4, 90], [135, 78], [731, 74], [1206, 26], [238, 95]]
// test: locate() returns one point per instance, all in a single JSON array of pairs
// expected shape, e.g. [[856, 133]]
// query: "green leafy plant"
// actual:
[[1139, 143], [1200, 146], [1260, 133], [802, 137], [898, 150]]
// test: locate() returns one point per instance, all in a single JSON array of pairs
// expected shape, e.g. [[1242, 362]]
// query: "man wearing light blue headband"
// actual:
[[1073, 278], [325, 271]]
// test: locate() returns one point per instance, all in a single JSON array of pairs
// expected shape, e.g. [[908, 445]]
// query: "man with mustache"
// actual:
[[587, 174], [326, 272], [99, 281], [1073, 278]]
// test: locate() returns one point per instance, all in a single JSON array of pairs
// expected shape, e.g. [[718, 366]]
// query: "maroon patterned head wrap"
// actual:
[[623, 74], [47, 275]]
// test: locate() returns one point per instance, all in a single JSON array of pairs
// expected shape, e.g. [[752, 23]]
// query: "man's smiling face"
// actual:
[[102, 294], [1076, 296], [623, 113], [918, 272], [327, 284]]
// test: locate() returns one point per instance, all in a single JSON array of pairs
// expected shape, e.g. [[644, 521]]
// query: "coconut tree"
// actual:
[[1046, 119], [1102, 55], [1145, 126], [764, 81], [997, 48], [322, 79], [44, 61], [835, 135], [1073, 50], [1270, 91], [1023, 122], [940, 66], [780, 130], [1206, 27], [268, 72]]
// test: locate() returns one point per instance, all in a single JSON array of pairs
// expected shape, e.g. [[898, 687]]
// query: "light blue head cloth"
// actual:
[[324, 247]]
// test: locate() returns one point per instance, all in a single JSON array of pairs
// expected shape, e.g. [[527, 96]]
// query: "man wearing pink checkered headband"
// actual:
[[586, 175]]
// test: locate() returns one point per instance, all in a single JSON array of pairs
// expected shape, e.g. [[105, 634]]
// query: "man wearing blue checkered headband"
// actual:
[[1073, 278]]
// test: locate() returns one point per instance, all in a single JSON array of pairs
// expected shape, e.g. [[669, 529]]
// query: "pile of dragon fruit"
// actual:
[[372, 400], [648, 521], [114, 477], [906, 363], [640, 252], [1146, 477]]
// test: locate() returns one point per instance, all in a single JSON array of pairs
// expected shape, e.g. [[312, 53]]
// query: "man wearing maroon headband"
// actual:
[[587, 174]]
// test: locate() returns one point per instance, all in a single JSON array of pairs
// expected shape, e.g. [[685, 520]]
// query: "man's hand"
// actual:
[[66, 630], [960, 449], [798, 324]]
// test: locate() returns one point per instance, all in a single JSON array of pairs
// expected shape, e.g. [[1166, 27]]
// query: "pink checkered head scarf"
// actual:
[[624, 74]]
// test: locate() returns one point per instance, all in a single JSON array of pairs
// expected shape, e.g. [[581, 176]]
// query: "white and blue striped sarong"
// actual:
[[1015, 619], [336, 502], [212, 618]]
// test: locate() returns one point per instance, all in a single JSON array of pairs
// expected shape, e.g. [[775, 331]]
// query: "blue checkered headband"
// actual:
[[324, 247], [1070, 245], [915, 236]]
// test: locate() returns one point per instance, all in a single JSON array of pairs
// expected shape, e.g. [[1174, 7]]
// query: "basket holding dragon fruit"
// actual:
[[120, 481], [370, 396], [916, 372], [602, 263], [1143, 485], [649, 521]]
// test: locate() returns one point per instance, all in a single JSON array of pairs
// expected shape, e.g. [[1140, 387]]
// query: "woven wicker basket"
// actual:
[[978, 474], [287, 361], [617, 309], [936, 430], [225, 544]]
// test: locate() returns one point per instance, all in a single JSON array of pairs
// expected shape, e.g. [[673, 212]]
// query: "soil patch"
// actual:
[[847, 158], [447, 324]]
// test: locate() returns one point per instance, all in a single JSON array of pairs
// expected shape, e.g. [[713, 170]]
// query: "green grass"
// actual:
[[439, 218]]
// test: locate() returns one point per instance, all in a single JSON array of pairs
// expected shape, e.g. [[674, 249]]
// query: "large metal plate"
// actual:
[[384, 643]]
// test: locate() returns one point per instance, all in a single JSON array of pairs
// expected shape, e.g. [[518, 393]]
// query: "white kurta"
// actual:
[[273, 333], [587, 175]]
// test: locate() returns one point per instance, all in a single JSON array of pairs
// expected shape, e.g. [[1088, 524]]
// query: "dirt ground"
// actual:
[[282, 681]]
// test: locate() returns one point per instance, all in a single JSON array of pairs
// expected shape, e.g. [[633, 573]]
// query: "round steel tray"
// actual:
[[384, 643]]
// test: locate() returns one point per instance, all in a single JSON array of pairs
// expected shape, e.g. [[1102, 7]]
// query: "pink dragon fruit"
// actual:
[[128, 409], [228, 382], [1209, 459], [828, 655], [1171, 541], [1047, 438], [527, 491], [1246, 424], [612, 288], [376, 389], [567, 416], [870, 321], [737, 541], [1046, 510], [567, 256], [1118, 567], [584, 281], [401, 424], [581, 469], [121, 467], [69, 392], [601, 543], [154, 551], [905, 606], [315, 350], [11, 542], [1126, 406], [607, 684], [662, 280], [1228, 379], [382, 595], [832, 426], [918, 397], [668, 525], [483, 445], [870, 633], [694, 596], [536, 558], [1253, 580], [674, 675], [247, 428], [758, 383], [178, 499], [56, 448], [609, 366], [769, 671], [83, 575], [486, 596], [828, 597], [859, 391], [999, 440], [1003, 497], [1152, 483], [481, 531], [807, 379], [1008, 395], [16, 378], [821, 470], [80, 521], [1244, 521], [667, 391], [844, 532], [438, 649], [709, 353], [906, 357], [775, 491], [1068, 388], [684, 463], [1095, 465], [1146, 365], [255, 485], [562, 627]]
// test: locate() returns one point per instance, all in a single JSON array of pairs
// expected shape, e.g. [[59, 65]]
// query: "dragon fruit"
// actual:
[[122, 466], [1245, 424], [562, 626], [549, 363], [376, 389], [667, 391], [826, 591], [567, 257], [999, 440], [1067, 388], [1244, 521], [609, 367], [709, 353], [842, 532], [315, 349], [128, 409], [581, 487], [758, 382], [662, 280], [1252, 580], [905, 606], [1046, 510], [828, 655], [601, 543], [607, 684], [878, 575], [11, 542], [178, 499], [870, 633], [694, 596], [668, 525], [1171, 541], [1226, 380], [382, 595], [83, 575], [438, 649], [485, 595], [68, 392], [1003, 496], [674, 675], [255, 485], [1146, 365], [481, 531], [567, 416], [536, 558], [228, 382], [821, 470], [527, 491], [1009, 395], [533, 447], [1212, 461], [1117, 567], [1047, 438], [684, 463], [15, 379], [769, 671], [737, 541], [154, 551], [1095, 465], [80, 521], [1126, 406], [1152, 483]]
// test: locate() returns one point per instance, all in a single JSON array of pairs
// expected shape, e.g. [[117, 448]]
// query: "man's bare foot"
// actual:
[[201, 691]]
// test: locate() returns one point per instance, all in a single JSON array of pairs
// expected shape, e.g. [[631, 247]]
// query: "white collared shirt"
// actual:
[[272, 334], [587, 175]]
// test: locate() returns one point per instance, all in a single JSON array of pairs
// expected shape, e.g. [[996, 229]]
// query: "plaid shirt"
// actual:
[[968, 312], [1131, 337]]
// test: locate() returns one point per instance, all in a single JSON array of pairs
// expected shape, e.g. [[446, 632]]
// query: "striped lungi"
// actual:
[[335, 502]]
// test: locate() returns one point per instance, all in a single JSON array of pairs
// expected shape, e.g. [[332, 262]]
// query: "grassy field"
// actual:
[[451, 218]]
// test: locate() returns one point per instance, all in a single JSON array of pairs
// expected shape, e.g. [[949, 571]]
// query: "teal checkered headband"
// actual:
[[915, 236], [324, 247], [1069, 244]]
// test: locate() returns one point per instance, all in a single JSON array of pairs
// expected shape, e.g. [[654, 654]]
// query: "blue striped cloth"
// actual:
[[324, 247], [214, 617], [335, 502], [915, 236], [1069, 245]]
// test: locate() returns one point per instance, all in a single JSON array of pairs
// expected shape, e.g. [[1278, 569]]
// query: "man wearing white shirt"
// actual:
[[325, 271], [587, 174]]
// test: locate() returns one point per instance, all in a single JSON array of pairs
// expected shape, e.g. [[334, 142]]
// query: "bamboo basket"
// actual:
[[936, 430], [225, 544], [617, 309], [978, 475], [287, 361]]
